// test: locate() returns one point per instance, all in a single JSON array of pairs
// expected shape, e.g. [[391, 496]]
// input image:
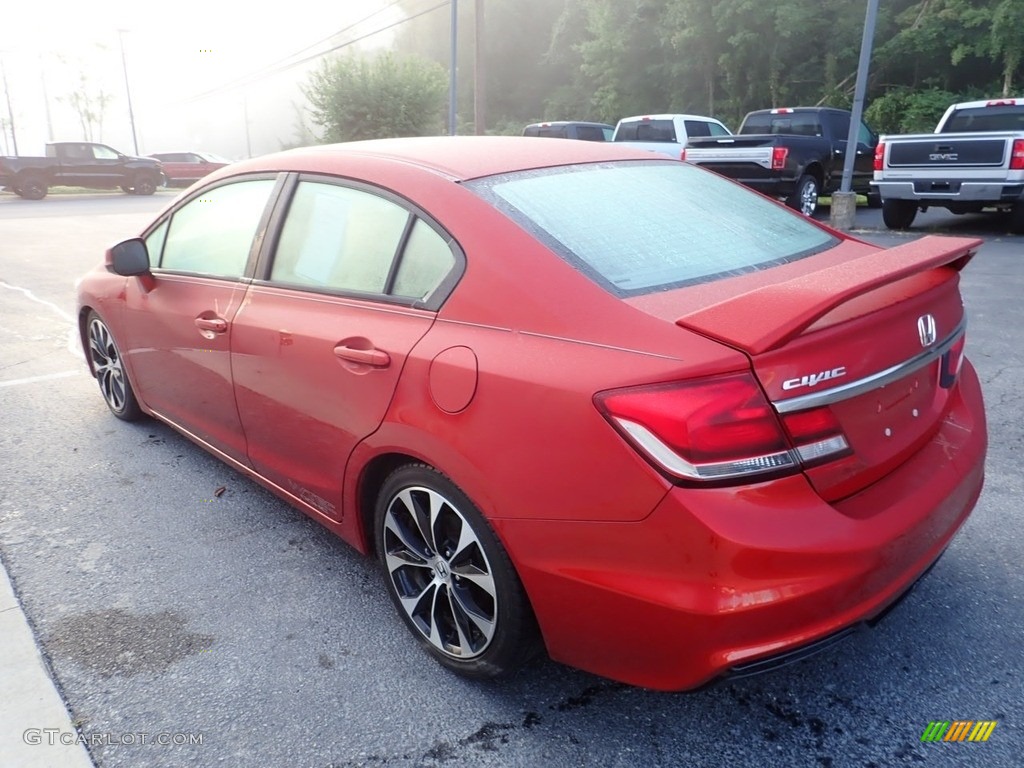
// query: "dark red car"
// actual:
[[569, 393], [185, 168]]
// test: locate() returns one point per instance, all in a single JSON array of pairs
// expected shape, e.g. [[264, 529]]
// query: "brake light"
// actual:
[[1001, 103], [1017, 155], [781, 111], [779, 155], [879, 156], [717, 428], [816, 434], [682, 154], [950, 363]]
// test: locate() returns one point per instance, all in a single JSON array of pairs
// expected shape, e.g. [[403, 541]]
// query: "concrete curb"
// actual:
[[35, 728]]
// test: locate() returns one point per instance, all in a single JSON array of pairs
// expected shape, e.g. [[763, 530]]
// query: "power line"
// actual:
[[284, 67]]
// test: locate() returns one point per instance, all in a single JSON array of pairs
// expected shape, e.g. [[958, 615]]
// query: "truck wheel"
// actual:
[[805, 196], [1016, 220], [32, 188], [144, 184], [898, 214]]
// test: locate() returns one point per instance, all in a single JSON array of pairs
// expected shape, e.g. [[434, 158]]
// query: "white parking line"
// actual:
[[29, 295], [45, 377]]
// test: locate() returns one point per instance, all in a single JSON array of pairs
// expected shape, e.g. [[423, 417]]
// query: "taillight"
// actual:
[[779, 155], [1017, 155], [879, 156], [816, 435], [950, 363], [682, 154], [716, 428]]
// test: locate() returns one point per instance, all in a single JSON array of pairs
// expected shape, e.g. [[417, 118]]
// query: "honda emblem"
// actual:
[[926, 330]]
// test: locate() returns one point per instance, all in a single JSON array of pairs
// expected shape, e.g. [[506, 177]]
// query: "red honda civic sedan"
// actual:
[[573, 396]]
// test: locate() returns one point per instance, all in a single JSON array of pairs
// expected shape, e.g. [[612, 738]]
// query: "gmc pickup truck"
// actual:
[[794, 154], [973, 160], [666, 134], [80, 164]]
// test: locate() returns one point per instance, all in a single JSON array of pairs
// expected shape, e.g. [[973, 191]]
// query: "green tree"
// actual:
[[356, 97]]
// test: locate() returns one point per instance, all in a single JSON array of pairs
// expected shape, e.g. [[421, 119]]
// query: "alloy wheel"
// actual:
[[438, 568], [106, 361]]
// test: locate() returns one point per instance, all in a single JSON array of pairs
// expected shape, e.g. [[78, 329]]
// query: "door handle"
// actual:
[[214, 325], [377, 358]]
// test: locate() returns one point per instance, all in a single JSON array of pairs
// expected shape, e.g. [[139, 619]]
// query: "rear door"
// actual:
[[321, 341]]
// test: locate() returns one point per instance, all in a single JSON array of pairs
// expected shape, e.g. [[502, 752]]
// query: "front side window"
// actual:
[[642, 226], [212, 234], [101, 152]]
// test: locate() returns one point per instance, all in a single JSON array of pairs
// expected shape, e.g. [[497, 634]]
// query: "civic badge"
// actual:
[[926, 330]]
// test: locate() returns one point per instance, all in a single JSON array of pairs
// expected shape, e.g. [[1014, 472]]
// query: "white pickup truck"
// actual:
[[973, 160], [666, 134]]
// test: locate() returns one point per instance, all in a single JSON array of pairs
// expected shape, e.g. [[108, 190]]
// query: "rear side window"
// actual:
[[644, 226], [695, 128], [338, 238]]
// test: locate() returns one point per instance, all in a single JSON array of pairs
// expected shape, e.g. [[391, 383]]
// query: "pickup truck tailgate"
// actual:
[[980, 150]]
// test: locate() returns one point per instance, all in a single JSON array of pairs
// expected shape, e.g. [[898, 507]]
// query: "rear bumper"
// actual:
[[717, 580], [942, 192]]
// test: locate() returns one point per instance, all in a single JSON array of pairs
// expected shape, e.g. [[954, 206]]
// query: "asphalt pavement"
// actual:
[[153, 622]]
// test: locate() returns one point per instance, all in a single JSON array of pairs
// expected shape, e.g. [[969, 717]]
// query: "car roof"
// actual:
[[560, 123], [667, 116], [458, 157]]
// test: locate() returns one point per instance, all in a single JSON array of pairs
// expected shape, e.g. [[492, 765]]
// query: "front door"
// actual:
[[180, 326]]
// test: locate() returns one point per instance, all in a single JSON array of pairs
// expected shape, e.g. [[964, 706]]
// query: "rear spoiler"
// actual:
[[794, 305]]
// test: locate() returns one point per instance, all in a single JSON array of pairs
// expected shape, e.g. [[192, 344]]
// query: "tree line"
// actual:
[[605, 59]]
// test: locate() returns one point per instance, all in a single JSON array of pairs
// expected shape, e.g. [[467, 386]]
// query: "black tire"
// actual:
[[107, 364], [805, 195], [32, 187], [144, 184], [1015, 221], [874, 200], [898, 214], [472, 614]]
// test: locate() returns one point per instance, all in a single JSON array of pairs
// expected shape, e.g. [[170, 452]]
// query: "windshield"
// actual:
[[636, 227], [212, 158]]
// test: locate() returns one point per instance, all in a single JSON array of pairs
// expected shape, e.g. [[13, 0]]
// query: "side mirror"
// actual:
[[130, 258]]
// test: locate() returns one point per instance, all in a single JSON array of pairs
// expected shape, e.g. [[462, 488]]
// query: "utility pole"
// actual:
[[128, 90], [479, 76], [844, 202], [245, 114], [10, 111], [453, 80], [46, 99]]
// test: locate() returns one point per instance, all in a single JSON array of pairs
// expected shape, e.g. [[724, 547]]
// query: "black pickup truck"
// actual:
[[80, 164], [795, 154]]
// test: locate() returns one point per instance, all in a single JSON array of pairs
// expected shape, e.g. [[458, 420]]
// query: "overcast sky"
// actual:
[[184, 60]]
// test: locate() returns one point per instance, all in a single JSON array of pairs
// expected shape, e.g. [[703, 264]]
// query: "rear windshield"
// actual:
[[787, 123], [637, 227], [646, 130], [1009, 117]]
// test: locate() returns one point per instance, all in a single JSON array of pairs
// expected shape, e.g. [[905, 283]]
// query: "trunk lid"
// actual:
[[875, 339]]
